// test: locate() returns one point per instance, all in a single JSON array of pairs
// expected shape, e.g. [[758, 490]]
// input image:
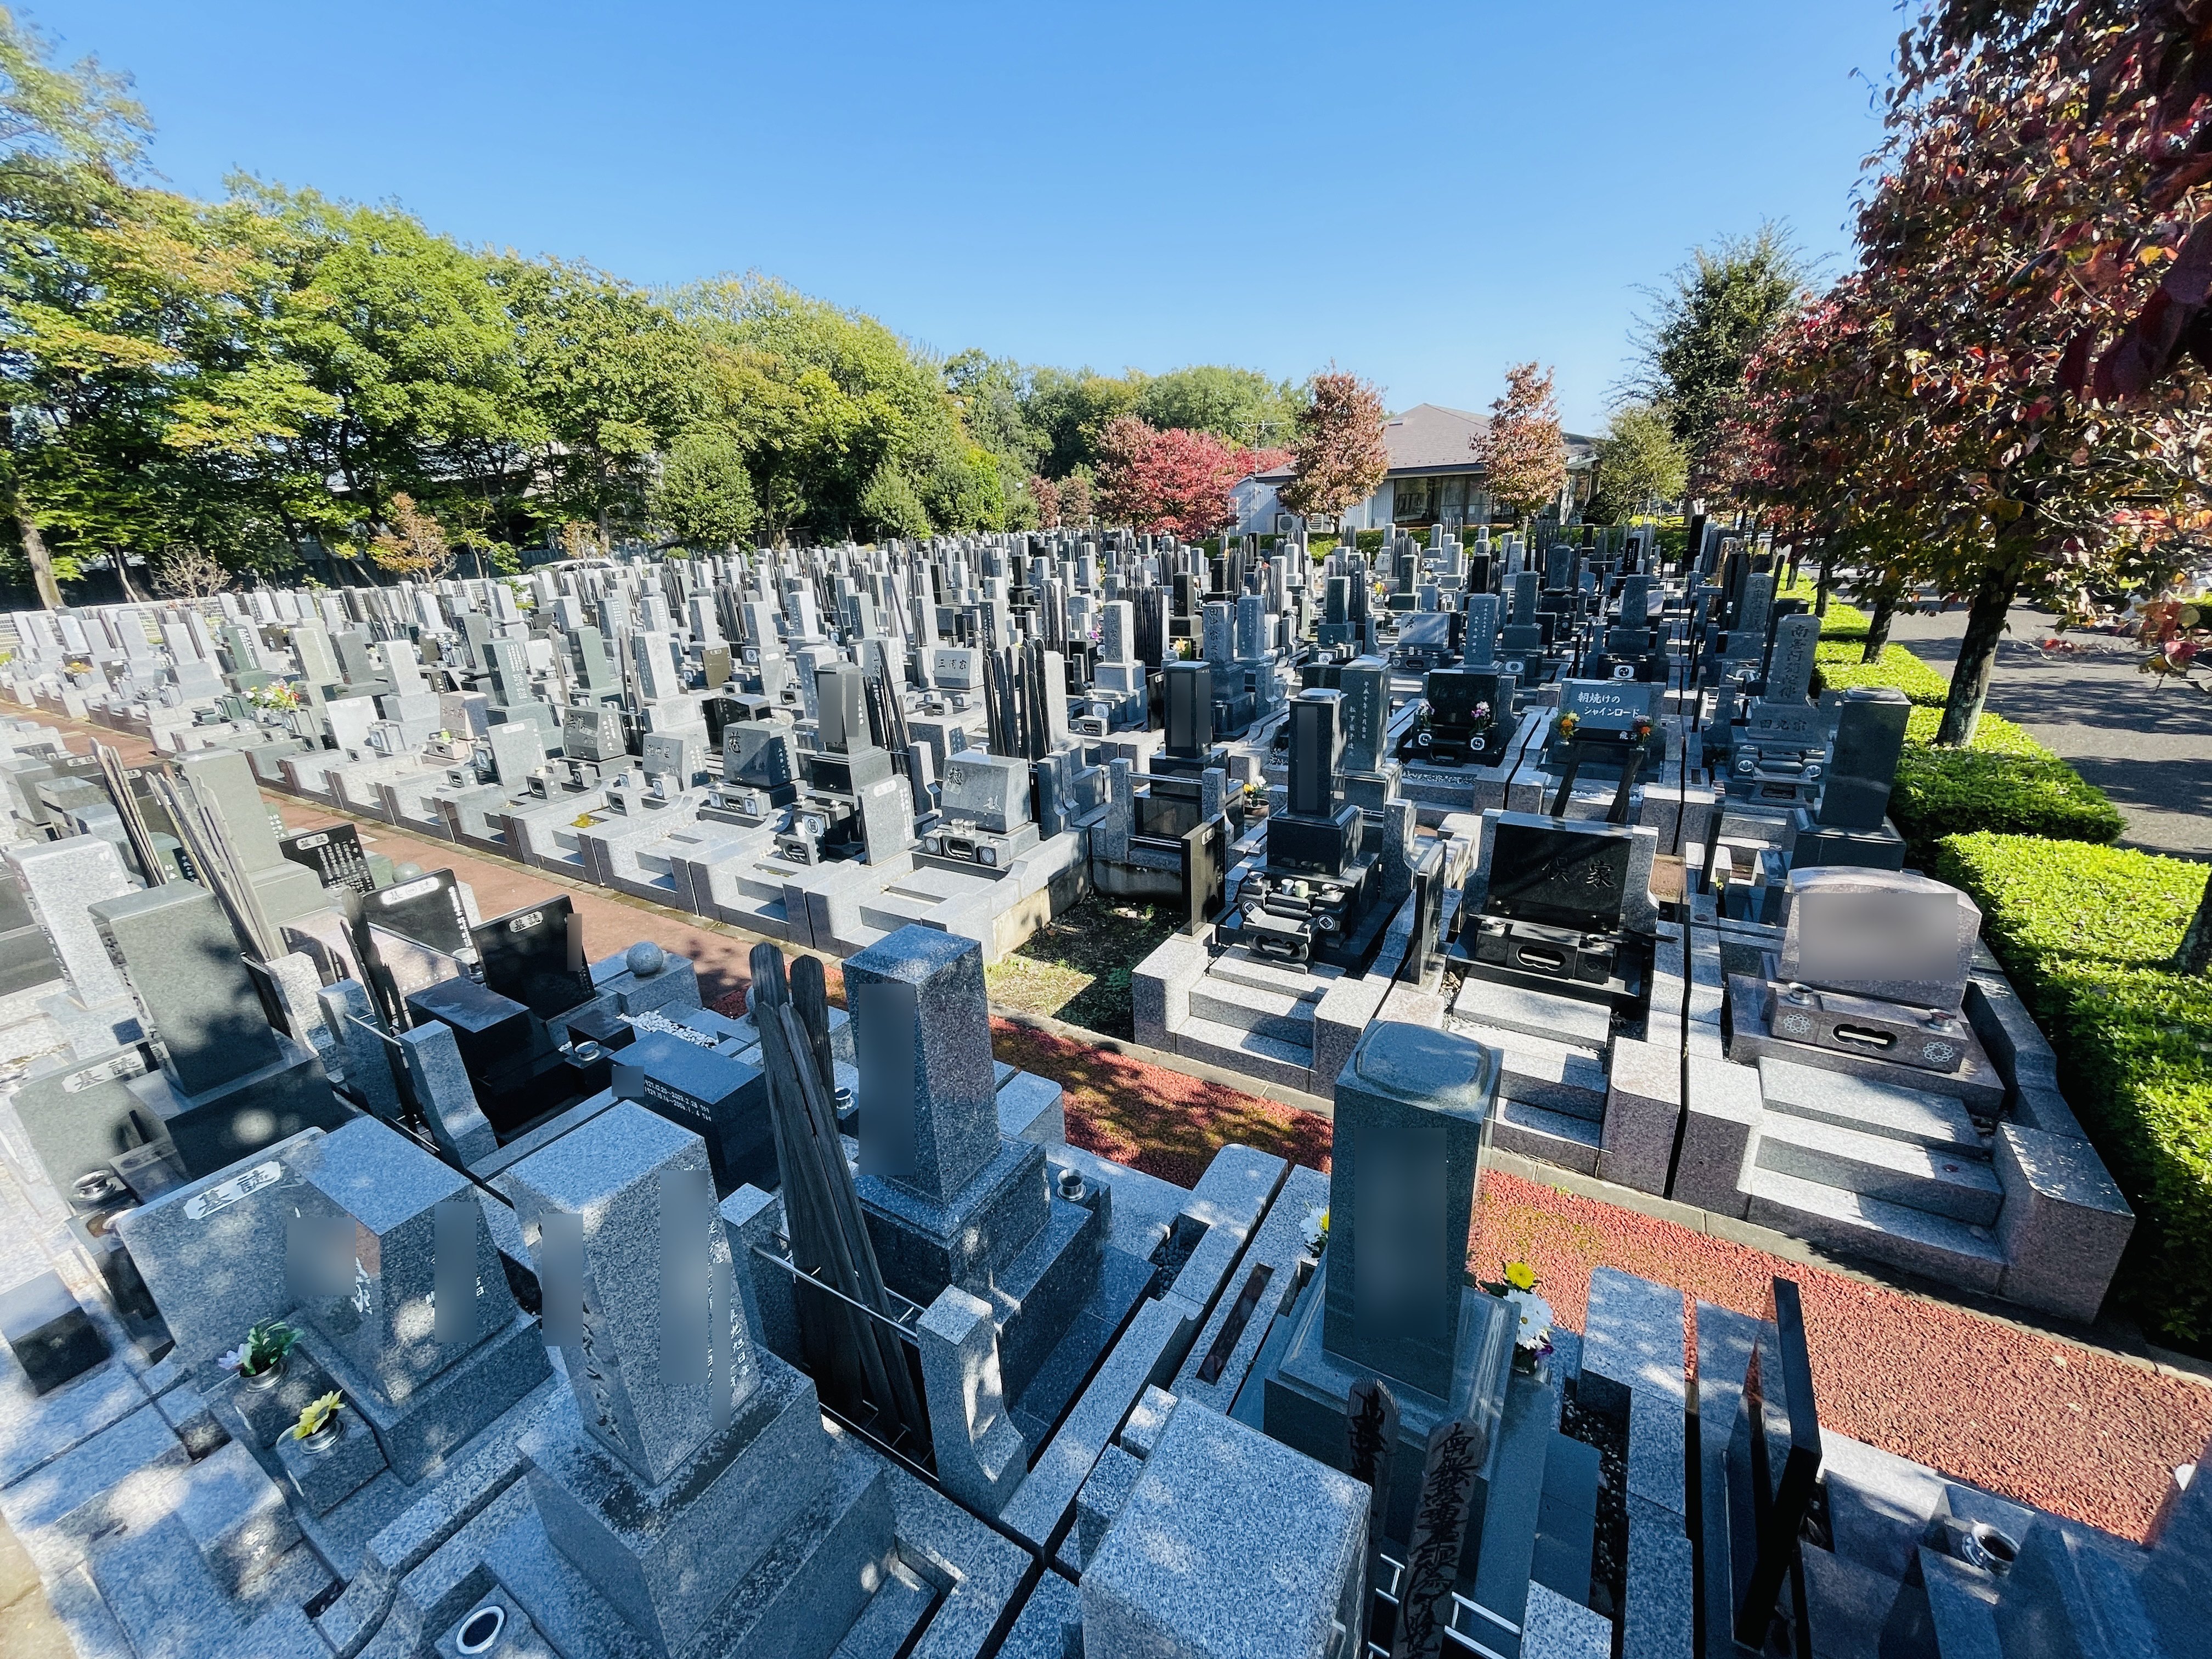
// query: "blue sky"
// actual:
[[1421, 193]]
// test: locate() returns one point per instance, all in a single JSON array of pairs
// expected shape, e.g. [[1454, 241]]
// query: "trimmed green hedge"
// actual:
[[2005, 780], [2086, 933], [1837, 667]]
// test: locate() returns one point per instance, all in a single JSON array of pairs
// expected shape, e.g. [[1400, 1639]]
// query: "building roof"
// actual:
[[1430, 439]]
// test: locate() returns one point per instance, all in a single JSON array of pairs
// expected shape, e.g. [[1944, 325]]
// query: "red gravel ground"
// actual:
[[2054, 1424]]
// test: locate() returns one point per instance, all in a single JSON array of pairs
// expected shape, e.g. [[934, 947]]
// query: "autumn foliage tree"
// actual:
[[1044, 495], [1337, 453], [1522, 449], [414, 544], [1176, 481], [1959, 368]]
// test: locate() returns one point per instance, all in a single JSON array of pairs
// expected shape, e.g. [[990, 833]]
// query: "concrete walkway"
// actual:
[[2146, 743]]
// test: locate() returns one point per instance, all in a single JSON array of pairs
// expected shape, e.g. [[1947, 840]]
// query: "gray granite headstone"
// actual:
[[929, 1118], [1888, 934], [594, 1200], [1481, 650], [386, 1320], [1219, 629], [1366, 683], [183, 960], [1410, 1106], [1525, 584], [1748, 638], [213, 1251], [1870, 727], [223, 780], [62, 880], [1789, 670]]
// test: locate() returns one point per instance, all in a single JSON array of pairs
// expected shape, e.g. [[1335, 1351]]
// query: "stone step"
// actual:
[[1239, 967], [1912, 1239], [1555, 1137], [894, 1613], [1287, 1019], [1895, 1171], [1536, 1013], [1562, 1076], [1240, 1050], [1567, 1519], [1936, 1121]]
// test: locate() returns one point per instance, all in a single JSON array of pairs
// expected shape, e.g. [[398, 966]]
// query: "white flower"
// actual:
[[1317, 1229], [1535, 1316], [232, 1360]]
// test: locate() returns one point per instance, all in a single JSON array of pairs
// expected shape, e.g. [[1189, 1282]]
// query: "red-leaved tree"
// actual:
[[1338, 450], [1961, 360], [1523, 451], [2104, 108], [1176, 481], [1046, 494]]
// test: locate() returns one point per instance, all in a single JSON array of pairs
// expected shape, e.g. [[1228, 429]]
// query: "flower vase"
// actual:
[[264, 1379], [326, 1436], [1526, 1361]]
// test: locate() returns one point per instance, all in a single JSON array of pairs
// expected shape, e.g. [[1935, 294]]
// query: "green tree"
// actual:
[[1639, 460], [405, 339], [91, 280], [991, 394], [704, 495], [825, 399], [1713, 313], [1071, 408], [1240, 404], [608, 380], [889, 506]]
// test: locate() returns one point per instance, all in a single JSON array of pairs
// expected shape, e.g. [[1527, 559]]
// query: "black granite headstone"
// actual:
[[536, 957], [334, 854], [426, 910], [1204, 870], [1773, 1465], [1560, 875]]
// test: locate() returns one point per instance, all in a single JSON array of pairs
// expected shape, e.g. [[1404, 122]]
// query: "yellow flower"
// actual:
[[1521, 1276]]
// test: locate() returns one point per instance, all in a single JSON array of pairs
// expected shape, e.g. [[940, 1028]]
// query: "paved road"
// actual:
[[2146, 744]]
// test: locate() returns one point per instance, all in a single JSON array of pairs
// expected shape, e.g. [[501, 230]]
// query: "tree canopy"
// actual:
[[1639, 461], [1337, 453], [1522, 449], [1937, 405], [1714, 312]]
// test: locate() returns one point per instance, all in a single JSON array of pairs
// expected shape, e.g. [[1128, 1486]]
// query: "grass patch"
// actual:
[[1076, 968]]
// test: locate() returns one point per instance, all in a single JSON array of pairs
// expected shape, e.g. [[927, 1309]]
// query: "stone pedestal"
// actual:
[[1228, 1544], [666, 1555]]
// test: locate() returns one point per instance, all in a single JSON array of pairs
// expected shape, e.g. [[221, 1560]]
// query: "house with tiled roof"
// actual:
[[1434, 478]]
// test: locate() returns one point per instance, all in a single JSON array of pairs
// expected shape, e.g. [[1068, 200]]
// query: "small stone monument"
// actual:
[[686, 1473]]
